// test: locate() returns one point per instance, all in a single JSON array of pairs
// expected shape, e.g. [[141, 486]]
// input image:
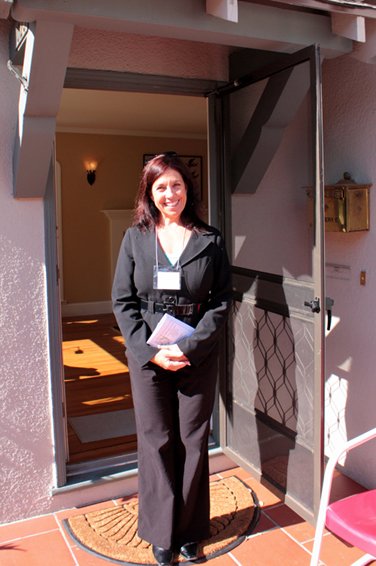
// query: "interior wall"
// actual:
[[100, 49], [86, 230], [350, 145]]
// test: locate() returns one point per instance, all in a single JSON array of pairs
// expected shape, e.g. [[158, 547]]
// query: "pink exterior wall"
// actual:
[[26, 455], [349, 88]]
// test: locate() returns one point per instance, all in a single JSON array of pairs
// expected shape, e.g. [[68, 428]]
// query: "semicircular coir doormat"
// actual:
[[112, 533]]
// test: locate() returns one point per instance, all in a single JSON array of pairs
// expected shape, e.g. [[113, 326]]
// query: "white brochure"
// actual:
[[169, 331]]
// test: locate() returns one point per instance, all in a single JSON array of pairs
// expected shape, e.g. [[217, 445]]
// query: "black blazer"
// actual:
[[206, 280]]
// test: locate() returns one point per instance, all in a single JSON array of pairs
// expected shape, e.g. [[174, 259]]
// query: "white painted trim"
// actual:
[[59, 226], [83, 309], [120, 221], [109, 132]]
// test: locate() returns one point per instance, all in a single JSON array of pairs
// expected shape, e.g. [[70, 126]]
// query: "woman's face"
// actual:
[[169, 194]]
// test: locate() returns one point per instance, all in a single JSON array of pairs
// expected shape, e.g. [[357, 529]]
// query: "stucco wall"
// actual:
[[26, 457], [349, 88], [98, 49]]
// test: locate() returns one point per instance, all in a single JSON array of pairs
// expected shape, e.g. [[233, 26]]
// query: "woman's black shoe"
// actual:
[[162, 556], [189, 550]]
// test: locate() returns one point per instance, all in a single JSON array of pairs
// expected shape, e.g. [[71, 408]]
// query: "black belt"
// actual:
[[170, 307]]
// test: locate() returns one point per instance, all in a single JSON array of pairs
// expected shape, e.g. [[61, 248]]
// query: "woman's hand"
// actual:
[[170, 357]]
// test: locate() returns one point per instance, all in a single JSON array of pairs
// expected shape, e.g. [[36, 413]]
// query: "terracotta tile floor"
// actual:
[[281, 538]]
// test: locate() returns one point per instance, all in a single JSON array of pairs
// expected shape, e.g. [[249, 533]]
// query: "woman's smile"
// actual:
[[169, 194]]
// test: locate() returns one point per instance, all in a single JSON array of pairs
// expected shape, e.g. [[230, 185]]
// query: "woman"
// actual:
[[170, 261]]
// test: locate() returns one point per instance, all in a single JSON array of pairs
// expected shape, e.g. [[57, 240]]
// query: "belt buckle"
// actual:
[[169, 306]]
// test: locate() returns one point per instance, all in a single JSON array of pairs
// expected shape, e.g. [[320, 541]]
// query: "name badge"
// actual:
[[168, 278]]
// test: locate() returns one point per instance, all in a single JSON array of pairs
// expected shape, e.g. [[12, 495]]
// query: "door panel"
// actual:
[[271, 150], [270, 419]]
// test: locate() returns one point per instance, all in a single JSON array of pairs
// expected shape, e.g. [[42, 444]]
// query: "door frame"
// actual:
[[220, 177], [54, 327], [113, 81]]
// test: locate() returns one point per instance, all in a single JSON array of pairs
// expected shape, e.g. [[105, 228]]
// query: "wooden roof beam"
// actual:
[[45, 62], [225, 9], [350, 26], [366, 52], [5, 6]]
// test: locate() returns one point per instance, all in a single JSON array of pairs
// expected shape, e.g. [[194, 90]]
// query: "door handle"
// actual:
[[314, 305], [328, 306]]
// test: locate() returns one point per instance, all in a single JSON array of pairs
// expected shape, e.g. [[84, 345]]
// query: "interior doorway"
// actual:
[[117, 130]]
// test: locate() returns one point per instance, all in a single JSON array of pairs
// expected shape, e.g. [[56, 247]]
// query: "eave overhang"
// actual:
[[259, 26]]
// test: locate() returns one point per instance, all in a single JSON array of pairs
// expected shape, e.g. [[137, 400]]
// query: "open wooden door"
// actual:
[[266, 128]]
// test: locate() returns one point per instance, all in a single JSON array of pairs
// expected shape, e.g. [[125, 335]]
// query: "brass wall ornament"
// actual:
[[346, 206]]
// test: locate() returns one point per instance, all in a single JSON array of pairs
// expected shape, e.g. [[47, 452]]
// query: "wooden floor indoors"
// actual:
[[96, 381]]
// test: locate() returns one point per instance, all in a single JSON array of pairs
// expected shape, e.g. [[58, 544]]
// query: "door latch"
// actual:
[[328, 305], [314, 305]]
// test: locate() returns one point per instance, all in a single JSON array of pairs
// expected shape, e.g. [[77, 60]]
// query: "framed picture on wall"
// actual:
[[193, 162]]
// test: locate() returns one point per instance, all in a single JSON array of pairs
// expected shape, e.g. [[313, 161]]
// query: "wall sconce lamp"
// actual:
[[91, 167]]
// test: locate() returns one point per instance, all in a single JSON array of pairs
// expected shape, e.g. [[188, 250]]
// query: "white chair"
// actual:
[[353, 519]]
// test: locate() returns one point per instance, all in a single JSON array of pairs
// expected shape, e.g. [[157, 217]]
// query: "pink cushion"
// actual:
[[354, 520]]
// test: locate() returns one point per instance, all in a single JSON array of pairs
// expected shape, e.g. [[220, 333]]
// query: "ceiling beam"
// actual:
[[366, 52], [45, 62], [347, 25], [225, 9], [5, 6]]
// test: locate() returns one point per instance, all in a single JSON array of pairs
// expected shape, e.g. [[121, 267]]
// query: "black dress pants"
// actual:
[[173, 411]]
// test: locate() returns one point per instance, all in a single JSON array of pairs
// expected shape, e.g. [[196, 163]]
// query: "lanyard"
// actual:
[[167, 278]]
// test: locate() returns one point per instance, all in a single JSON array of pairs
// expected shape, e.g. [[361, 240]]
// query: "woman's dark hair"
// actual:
[[146, 214]]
